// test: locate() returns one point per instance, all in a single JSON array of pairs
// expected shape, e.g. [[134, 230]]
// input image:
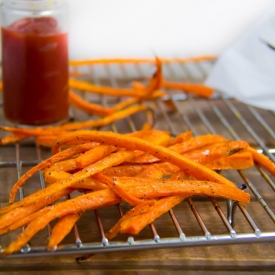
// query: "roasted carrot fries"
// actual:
[[131, 103], [108, 168]]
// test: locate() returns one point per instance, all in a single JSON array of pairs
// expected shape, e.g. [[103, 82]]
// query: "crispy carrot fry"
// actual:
[[137, 210], [141, 60], [21, 212], [12, 138], [88, 201], [26, 220], [46, 141], [88, 107], [183, 147], [215, 151], [151, 188], [263, 161], [180, 138], [238, 161], [104, 121], [118, 190], [197, 89], [132, 143], [135, 224], [46, 163], [62, 229], [112, 160]]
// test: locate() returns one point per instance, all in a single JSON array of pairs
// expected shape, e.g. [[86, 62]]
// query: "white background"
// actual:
[[128, 28], [168, 28]]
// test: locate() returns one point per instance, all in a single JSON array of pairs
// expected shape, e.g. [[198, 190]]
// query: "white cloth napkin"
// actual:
[[246, 71]]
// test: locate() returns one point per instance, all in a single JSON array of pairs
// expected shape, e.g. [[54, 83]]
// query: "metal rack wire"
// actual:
[[195, 222]]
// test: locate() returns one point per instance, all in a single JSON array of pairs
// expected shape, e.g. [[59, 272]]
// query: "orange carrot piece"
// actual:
[[12, 139], [141, 60], [118, 190], [46, 141], [21, 212], [179, 138], [215, 151], [62, 228], [238, 161], [46, 163], [151, 188], [263, 161], [112, 160], [135, 224], [89, 201], [88, 107], [137, 210], [197, 89], [26, 220]]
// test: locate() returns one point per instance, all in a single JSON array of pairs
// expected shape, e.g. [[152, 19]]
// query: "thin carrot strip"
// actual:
[[118, 190], [112, 160], [263, 161], [132, 143], [137, 210], [88, 107], [26, 220], [46, 141], [180, 138], [104, 121], [197, 89], [46, 163], [21, 212], [62, 228], [238, 161], [90, 201], [12, 138], [151, 188], [135, 224], [141, 60]]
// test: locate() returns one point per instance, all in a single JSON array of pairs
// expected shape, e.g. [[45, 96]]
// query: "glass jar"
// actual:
[[35, 61]]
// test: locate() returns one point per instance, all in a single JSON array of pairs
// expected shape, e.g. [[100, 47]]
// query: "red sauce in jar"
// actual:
[[35, 71]]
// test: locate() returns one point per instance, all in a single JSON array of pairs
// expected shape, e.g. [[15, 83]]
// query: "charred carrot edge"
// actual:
[[137, 210], [88, 107], [197, 89], [135, 224], [140, 61], [62, 228], [263, 161], [132, 143]]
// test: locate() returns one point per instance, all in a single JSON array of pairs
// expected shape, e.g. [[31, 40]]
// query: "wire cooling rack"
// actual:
[[197, 221]]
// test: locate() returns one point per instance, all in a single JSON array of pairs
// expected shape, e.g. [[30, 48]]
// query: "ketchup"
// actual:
[[35, 71]]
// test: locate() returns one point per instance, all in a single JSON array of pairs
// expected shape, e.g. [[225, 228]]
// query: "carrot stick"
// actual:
[[26, 220], [62, 228], [55, 158], [12, 138], [90, 201], [46, 141], [132, 143], [21, 212], [179, 138], [137, 210], [150, 188], [135, 224], [238, 161], [88, 107], [112, 160], [197, 89], [263, 161], [141, 60]]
